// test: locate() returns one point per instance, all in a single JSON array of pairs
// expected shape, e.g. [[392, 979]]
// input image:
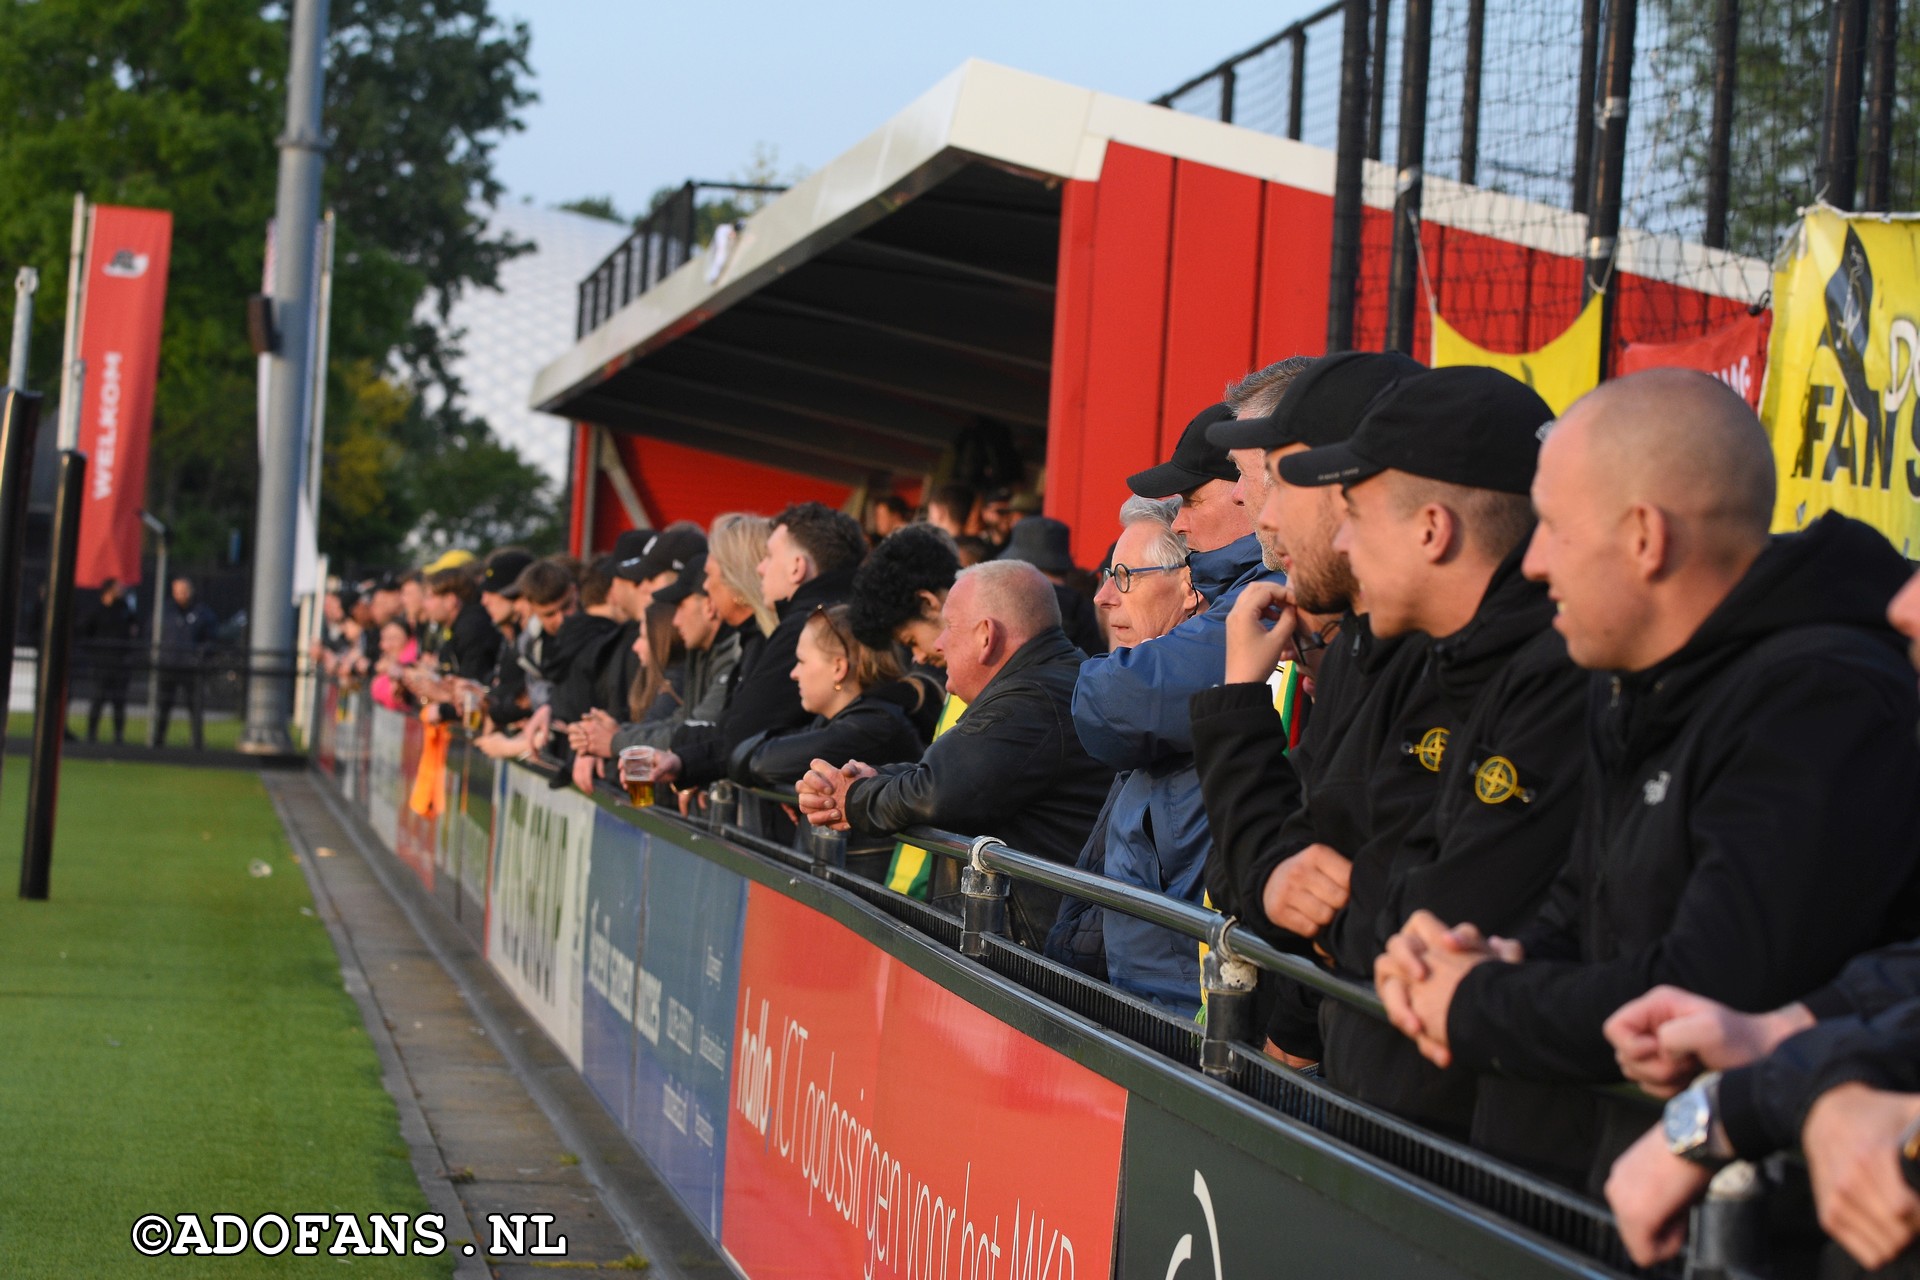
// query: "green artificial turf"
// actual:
[[174, 1036], [220, 733]]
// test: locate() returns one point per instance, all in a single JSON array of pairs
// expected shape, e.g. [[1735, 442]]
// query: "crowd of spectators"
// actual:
[[1529, 722]]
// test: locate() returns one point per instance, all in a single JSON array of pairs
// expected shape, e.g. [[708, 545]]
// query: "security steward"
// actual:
[[1435, 483]]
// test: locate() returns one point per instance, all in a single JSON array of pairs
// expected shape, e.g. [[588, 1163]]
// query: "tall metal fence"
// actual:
[[1706, 122]]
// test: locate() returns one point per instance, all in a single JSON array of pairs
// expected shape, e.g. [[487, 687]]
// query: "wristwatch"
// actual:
[[1910, 1154], [1692, 1126]]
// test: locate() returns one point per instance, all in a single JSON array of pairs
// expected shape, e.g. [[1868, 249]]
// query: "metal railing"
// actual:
[[661, 243]]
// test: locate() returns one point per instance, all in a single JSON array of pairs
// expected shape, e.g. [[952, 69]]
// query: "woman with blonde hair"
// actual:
[[735, 548]]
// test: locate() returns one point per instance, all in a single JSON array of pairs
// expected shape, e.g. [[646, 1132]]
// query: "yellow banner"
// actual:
[[1562, 371], [1841, 373]]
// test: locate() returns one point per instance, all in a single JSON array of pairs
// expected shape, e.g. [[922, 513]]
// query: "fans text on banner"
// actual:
[[1841, 381]]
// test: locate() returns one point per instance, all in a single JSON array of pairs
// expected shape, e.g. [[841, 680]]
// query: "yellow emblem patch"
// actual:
[[1496, 781], [1433, 745]]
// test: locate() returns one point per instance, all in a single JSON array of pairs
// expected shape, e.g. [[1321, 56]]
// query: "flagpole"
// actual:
[[297, 208], [69, 421]]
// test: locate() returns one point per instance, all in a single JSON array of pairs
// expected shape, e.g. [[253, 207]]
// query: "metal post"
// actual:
[[1470, 92], [1377, 81], [19, 420], [1728, 1235], [1403, 280], [1297, 87], [1726, 66], [1840, 118], [1585, 105], [1228, 79], [1884, 52], [68, 425], [297, 207], [1227, 983], [50, 701], [159, 586], [1344, 268], [25, 283], [983, 901], [1603, 220]]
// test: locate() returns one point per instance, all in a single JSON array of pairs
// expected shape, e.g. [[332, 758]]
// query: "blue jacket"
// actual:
[[1130, 710]]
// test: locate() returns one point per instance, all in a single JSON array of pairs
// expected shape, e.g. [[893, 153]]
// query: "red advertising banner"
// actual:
[[881, 1126], [1737, 355], [126, 295]]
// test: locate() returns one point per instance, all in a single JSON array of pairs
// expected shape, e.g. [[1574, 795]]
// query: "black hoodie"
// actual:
[[1496, 832], [1751, 820]]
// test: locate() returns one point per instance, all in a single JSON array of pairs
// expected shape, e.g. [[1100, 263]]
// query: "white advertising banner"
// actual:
[[542, 855]]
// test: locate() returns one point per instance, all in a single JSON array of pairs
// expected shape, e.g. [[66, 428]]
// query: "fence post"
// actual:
[[1884, 52], [1344, 269], [1403, 281], [1840, 120], [1227, 984], [1726, 67], [19, 420], [1377, 81], [1585, 106], [983, 901], [1228, 79], [1470, 92], [1729, 1228], [50, 700], [1297, 88], [1603, 219]]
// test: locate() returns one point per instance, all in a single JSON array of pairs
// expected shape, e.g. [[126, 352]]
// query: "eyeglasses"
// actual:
[[841, 640], [1305, 642], [1122, 576]]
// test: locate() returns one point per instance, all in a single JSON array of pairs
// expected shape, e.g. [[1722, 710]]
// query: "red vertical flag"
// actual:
[[125, 298]]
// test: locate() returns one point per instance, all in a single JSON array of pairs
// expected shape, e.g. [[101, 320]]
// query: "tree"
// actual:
[[176, 104]]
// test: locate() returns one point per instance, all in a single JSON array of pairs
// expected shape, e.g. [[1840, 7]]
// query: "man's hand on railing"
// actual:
[[1650, 1190], [498, 746], [1420, 970], [1666, 1037], [823, 792], [585, 770], [1260, 629], [1305, 892], [540, 728], [1852, 1143], [592, 735]]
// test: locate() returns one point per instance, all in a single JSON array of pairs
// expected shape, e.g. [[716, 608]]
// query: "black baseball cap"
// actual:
[[503, 570], [1464, 425], [1194, 462], [665, 552], [691, 582], [1322, 405]]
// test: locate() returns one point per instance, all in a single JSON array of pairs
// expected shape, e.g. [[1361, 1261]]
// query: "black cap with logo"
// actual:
[[691, 582], [503, 570], [639, 556], [1467, 425], [1321, 405], [1194, 461]]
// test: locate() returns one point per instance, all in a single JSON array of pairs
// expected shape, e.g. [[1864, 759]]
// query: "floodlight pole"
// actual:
[[25, 284], [297, 207]]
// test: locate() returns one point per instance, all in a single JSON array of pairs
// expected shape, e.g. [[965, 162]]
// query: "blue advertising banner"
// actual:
[[687, 992], [614, 885]]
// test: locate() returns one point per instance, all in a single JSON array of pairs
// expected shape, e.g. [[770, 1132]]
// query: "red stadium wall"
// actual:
[[678, 482], [1177, 277]]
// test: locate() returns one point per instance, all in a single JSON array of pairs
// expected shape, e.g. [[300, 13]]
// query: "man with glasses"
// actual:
[[1130, 705]]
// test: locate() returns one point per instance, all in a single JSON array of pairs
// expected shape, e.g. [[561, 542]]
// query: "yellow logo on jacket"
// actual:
[[1433, 746], [1496, 781]]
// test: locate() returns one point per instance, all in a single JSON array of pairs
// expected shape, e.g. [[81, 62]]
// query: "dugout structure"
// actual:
[[1036, 270]]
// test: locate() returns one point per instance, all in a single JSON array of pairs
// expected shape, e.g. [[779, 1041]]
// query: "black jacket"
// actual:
[[1012, 767], [507, 687], [1494, 837], [1367, 770], [1750, 821], [872, 728], [764, 696], [107, 632], [572, 663], [473, 644], [1869, 1032]]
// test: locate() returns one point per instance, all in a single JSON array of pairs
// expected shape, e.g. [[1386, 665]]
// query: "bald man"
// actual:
[[1752, 809], [1012, 767]]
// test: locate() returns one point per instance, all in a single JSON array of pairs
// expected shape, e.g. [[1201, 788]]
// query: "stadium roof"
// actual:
[[906, 289]]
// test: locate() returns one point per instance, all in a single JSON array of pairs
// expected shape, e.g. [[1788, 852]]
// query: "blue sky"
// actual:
[[635, 96]]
